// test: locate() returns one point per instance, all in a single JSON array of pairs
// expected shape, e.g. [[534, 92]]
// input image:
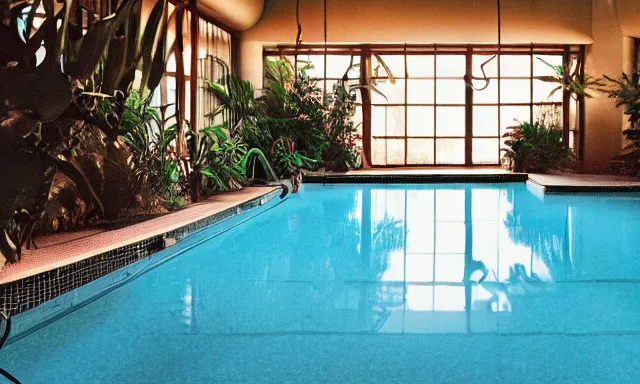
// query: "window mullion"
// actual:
[[468, 150]]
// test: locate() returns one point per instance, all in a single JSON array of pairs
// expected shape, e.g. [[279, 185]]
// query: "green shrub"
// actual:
[[535, 148]]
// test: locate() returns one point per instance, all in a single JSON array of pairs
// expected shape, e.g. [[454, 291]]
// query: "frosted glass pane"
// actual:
[[541, 69], [171, 93], [450, 121], [489, 95], [451, 65], [420, 91], [378, 121], [395, 63], [510, 116], [337, 65], [541, 91], [485, 121], [395, 151], [419, 151], [357, 119], [394, 93], [450, 151], [313, 64], [450, 91], [420, 121], [379, 151], [420, 65], [573, 114], [491, 69], [171, 63], [572, 138], [387, 121], [549, 114], [330, 83], [515, 91], [187, 101], [515, 65], [485, 151]]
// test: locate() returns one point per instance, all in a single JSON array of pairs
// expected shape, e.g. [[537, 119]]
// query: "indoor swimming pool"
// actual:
[[442, 283]]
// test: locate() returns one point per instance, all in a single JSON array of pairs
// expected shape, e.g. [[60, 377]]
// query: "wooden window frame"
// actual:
[[366, 51]]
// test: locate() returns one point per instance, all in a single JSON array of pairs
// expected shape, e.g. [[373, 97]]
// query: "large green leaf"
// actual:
[[153, 43], [92, 48], [122, 55], [113, 68]]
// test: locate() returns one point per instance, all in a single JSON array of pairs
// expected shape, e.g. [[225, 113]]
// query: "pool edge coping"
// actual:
[[416, 178], [44, 285]]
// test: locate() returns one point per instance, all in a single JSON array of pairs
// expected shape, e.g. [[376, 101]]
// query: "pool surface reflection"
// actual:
[[456, 283]]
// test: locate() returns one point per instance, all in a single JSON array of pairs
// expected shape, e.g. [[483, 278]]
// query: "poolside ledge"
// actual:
[[84, 244], [67, 261], [419, 176]]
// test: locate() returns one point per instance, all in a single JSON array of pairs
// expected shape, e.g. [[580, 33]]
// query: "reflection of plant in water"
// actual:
[[519, 283], [388, 234], [543, 231], [387, 237]]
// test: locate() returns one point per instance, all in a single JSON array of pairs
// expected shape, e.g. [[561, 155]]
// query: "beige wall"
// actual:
[[465, 21], [414, 21], [603, 133], [628, 16], [237, 14]]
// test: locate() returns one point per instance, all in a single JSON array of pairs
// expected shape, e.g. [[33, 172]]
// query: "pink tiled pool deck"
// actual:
[[63, 249]]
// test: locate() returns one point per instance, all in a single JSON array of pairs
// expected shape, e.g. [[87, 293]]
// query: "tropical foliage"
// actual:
[[52, 111], [535, 148], [236, 99], [626, 92], [289, 123], [216, 162], [572, 81], [81, 142], [84, 146]]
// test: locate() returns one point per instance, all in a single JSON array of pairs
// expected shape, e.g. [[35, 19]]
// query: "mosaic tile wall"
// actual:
[[25, 294]]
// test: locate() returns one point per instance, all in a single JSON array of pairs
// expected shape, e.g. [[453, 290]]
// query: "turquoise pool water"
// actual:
[[468, 283]]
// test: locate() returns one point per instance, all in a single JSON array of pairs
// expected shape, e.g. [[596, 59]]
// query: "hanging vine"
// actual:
[[469, 78]]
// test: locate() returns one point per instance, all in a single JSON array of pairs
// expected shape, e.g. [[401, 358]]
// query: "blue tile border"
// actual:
[[22, 295]]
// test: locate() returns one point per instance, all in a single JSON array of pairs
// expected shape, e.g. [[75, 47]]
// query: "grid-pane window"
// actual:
[[452, 105], [214, 62]]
